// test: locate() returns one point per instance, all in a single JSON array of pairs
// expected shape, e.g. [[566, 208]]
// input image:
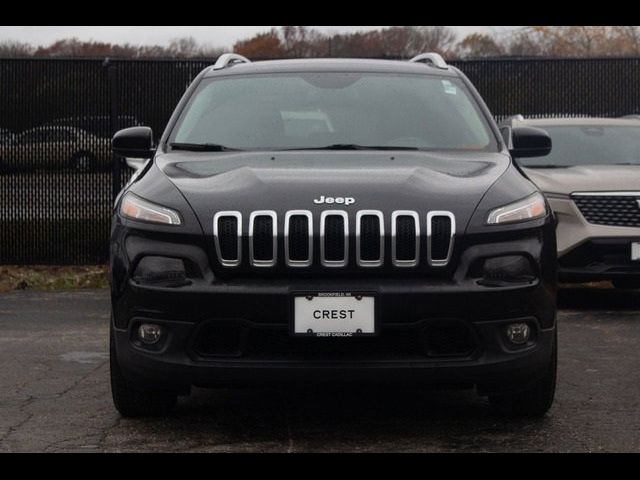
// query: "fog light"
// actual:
[[150, 334], [518, 333]]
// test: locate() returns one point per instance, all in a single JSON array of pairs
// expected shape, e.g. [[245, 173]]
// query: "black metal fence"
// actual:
[[58, 178]]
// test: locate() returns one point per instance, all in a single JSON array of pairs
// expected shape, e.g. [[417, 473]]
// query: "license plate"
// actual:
[[635, 252], [334, 315]]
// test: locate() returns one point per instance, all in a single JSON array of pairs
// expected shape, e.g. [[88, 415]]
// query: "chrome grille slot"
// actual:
[[227, 233], [405, 239], [441, 230], [370, 238], [263, 239], [298, 238], [334, 239]]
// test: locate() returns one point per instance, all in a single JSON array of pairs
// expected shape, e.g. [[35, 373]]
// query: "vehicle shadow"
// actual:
[[599, 297], [325, 419]]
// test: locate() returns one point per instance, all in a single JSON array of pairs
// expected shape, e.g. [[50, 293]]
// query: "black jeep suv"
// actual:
[[332, 221]]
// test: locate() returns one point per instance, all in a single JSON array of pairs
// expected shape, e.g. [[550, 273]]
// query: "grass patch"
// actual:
[[46, 278]]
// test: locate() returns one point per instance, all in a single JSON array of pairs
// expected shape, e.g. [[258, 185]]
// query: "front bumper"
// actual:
[[175, 368], [592, 252], [405, 309], [467, 317]]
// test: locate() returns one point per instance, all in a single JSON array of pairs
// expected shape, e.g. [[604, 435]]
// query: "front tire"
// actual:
[[533, 402], [134, 403]]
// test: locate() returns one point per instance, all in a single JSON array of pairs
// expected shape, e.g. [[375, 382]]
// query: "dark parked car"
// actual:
[[332, 221], [98, 125], [6, 136], [56, 148]]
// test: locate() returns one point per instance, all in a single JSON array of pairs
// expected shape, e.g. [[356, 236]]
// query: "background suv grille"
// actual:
[[612, 210]]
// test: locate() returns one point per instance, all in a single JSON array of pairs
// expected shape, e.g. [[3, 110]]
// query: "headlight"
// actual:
[[135, 208], [531, 208]]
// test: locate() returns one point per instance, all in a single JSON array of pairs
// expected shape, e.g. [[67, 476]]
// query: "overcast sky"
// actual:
[[224, 36]]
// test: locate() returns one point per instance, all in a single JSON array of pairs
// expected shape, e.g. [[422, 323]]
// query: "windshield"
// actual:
[[320, 110], [590, 145]]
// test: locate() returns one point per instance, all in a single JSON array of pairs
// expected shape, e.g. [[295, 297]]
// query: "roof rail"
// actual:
[[433, 59], [228, 60]]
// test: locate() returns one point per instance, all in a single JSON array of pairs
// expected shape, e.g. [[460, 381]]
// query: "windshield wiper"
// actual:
[[547, 166], [201, 147], [351, 146]]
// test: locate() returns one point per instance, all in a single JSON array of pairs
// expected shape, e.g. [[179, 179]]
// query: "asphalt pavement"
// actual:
[[55, 395]]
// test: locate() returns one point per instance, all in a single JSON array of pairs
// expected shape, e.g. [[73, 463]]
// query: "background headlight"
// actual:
[[530, 208], [135, 208]]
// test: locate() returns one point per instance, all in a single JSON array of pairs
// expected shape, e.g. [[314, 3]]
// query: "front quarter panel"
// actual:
[[511, 187], [130, 240]]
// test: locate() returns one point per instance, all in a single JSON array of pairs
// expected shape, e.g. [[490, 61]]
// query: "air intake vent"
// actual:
[[299, 239], [227, 232], [334, 239], [441, 228], [263, 239], [406, 239], [614, 210], [370, 238]]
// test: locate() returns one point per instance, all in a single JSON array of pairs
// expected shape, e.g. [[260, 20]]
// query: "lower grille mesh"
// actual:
[[228, 237], [334, 238], [299, 238], [440, 238], [370, 232], [450, 339], [406, 239], [263, 239]]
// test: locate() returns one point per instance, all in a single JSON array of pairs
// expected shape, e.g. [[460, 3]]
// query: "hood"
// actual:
[[592, 178], [281, 182]]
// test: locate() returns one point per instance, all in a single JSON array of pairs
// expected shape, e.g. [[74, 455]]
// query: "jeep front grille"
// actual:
[[610, 209], [337, 234]]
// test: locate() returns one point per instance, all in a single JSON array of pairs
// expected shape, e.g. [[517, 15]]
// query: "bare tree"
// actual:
[[11, 49], [431, 39], [479, 45]]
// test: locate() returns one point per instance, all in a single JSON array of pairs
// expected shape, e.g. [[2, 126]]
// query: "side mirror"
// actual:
[[135, 143], [530, 142]]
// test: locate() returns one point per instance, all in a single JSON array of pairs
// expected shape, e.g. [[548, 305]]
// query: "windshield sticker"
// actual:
[[449, 88]]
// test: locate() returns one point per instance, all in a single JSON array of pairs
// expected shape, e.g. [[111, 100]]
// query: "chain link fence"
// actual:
[[58, 178]]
